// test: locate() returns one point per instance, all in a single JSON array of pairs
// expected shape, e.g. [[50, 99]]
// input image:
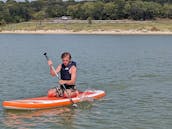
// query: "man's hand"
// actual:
[[50, 63], [62, 82]]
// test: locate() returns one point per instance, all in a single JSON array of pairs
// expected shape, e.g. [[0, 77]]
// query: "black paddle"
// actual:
[[73, 104]]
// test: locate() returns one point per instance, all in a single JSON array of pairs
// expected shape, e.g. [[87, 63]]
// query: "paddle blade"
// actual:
[[45, 54], [74, 105]]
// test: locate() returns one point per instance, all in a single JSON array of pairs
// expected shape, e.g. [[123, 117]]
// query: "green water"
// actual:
[[135, 72]]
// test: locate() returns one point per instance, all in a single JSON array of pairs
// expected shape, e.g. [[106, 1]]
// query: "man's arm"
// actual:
[[57, 70], [73, 77]]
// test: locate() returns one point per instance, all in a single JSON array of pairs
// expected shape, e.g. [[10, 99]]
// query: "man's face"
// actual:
[[66, 60]]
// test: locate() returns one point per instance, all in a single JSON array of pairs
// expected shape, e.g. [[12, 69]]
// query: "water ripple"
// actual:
[[135, 72]]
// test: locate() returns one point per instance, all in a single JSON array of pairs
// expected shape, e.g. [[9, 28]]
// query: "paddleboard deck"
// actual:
[[50, 102]]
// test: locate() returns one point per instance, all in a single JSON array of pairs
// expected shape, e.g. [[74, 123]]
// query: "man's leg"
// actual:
[[55, 92], [70, 93]]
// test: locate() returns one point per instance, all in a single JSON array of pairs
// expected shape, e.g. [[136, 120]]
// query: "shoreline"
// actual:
[[104, 27], [98, 32]]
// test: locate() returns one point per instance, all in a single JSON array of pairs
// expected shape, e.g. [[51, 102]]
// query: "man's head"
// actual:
[[66, 58]]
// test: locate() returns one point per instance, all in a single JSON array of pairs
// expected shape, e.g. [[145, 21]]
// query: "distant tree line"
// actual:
[[15, 12]]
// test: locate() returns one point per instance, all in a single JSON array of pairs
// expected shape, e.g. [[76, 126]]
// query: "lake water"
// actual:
[[135, 72]]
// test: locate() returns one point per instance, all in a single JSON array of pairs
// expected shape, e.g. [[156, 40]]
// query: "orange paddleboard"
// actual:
[[50, 102]]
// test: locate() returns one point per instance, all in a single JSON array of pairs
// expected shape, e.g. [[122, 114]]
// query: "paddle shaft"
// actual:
[[45, 54]]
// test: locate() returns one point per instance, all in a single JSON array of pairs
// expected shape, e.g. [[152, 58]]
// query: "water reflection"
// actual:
[[58, 117], [62, 117]]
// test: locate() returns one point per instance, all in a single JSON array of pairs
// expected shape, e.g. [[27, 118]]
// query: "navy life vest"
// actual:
[[64, 72]]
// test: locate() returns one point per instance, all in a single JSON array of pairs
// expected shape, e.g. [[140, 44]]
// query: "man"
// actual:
[[68, 72]]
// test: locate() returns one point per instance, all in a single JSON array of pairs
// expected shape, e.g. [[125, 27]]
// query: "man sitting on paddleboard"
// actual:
[[68, 72]]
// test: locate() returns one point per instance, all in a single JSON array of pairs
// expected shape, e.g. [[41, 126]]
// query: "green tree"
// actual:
[[136, 10], [88, 9], [13, 11], [166, 11], [38, 5], [56, 11], [98, 13], [152, 10], [120, 6], [39, 15], [75, 11], [110, 10]]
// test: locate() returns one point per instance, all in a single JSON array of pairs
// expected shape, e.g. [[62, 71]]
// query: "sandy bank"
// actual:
[[110, 32]]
